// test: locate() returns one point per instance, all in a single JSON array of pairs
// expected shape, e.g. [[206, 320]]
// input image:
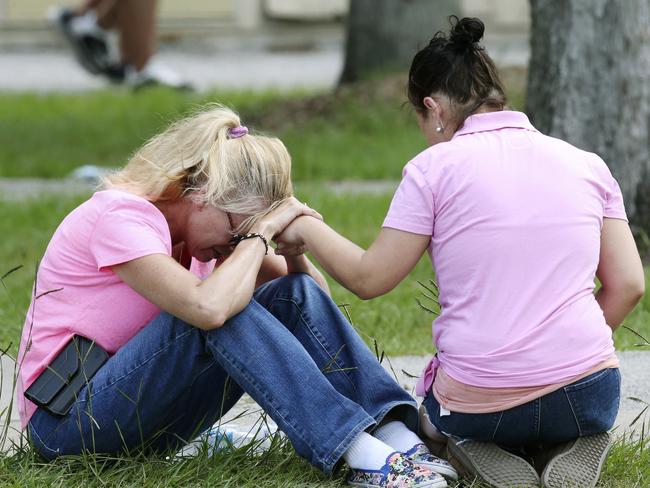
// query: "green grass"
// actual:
[[64, 131], [277, 468], [49, 135], [628, 466], [360, 132]]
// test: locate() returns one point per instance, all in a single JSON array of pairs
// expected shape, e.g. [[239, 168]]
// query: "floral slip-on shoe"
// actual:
[[398, 472], [420, 456]]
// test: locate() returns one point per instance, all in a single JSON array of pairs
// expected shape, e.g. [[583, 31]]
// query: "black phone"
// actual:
[[57, 387]]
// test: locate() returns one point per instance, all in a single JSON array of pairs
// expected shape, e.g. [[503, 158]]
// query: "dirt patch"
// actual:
[[292, 112]]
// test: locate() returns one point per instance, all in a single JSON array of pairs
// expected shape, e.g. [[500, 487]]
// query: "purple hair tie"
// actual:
[[235, 132]]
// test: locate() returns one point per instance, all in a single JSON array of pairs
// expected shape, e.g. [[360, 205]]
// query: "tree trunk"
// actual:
[[589, 84], [384, 35]]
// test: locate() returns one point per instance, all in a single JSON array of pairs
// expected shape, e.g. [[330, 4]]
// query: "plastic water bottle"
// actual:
[[224, 437]]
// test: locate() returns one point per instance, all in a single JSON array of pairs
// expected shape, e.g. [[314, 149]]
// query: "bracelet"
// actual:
[[251, 235]]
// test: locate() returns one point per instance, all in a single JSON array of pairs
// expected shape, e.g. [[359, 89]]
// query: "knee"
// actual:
[[300, 283]]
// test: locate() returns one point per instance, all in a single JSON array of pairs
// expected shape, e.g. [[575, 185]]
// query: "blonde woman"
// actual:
[[168, 271]]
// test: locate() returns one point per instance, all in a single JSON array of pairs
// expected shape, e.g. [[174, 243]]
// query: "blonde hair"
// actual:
[[196, 156]]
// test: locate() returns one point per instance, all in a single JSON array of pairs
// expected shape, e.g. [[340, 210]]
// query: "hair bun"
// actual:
[[466, 31]]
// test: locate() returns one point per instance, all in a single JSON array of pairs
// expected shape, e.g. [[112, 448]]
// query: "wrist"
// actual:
[[254, 236], [297, 263], [299, 225], [303, 226], [264, 229]]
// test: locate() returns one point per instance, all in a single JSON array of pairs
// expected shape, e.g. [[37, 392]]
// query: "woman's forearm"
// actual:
[[367, 274], [229, 289], [340, 258]]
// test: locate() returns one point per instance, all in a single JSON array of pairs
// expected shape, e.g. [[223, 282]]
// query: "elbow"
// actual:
[[214, 323], [634, 289], [637, 291], [363, 294], [629, 292], [366, 291], [209, 318]]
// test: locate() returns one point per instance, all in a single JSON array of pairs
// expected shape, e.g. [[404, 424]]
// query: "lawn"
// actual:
[[64, 131], [362, 132]]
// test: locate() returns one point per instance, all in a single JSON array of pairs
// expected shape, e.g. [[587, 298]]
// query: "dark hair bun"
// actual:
[[466, 31]]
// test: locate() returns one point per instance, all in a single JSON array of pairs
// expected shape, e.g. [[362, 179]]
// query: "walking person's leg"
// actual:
[[135, 20], [86, 30]]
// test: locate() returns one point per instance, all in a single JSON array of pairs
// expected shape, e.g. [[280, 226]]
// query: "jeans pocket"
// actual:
[[594, 401]]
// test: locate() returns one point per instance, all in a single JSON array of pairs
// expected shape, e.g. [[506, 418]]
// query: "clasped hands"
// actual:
[[283, 225]]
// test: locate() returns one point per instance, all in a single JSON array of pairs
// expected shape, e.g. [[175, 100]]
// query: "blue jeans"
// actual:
[[291, 349], [588, 406]]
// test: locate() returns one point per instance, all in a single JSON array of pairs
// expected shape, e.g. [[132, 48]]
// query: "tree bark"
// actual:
[[589, 84], [384, 35]]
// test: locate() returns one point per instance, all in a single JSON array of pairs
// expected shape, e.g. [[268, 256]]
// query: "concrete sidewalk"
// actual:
[[245, 416]]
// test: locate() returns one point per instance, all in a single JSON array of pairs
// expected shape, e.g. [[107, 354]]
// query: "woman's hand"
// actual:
[[290, 242], [365, 273], [276, 221]]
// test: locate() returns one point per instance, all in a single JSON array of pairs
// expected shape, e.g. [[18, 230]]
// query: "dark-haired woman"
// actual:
[[518, 225]]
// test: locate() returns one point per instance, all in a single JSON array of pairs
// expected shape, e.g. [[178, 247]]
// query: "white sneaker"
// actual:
[[90, 43], [157, 73]]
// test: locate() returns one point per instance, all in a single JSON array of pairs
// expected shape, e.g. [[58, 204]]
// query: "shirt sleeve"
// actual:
[[128, 230], [412, 208], [614, 207]]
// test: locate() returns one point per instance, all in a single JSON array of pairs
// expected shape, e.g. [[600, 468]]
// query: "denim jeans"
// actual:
[[585, 407], [291, 349]]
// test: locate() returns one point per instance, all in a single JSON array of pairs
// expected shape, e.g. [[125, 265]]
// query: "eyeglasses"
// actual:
[[236, 238], [232, 226]]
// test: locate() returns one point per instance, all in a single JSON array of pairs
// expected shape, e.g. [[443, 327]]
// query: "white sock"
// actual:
[[397, 436], [367, 452]]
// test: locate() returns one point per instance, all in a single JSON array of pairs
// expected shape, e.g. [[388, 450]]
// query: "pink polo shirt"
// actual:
[[85, 296], [515, 219]]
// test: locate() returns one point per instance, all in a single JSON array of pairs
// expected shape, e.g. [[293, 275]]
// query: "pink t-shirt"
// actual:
[[515, 219], [86, 297]]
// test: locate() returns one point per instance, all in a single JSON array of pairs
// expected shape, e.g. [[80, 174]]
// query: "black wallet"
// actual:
[[57, 387]]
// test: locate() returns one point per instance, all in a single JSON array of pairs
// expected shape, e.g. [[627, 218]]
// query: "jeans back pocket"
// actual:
[[595, 400]]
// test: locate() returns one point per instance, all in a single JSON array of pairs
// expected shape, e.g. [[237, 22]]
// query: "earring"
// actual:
[[439, 129]]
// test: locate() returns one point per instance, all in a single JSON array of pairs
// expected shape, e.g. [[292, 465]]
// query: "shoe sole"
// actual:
[[580, 465], [492, 464]]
